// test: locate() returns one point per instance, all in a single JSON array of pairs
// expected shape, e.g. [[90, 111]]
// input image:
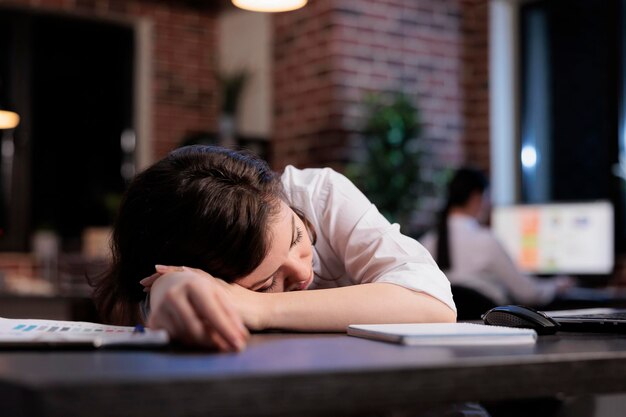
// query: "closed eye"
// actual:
[[269, 288], [297, 239]]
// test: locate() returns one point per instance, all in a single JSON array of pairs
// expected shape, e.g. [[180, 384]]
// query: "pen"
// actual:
[[139, 329]]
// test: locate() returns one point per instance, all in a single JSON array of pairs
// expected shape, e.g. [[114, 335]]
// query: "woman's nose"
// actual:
[[297, 273]]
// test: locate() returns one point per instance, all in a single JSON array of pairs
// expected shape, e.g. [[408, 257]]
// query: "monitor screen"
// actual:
[[558, 238]]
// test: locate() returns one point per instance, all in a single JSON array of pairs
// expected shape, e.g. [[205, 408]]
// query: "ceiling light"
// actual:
[[269, 5]]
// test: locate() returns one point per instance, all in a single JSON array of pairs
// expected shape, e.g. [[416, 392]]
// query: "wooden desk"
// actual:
[[304, 375]]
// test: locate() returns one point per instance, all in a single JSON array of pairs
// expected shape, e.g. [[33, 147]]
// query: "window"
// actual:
[[571, 93], [75, 96]]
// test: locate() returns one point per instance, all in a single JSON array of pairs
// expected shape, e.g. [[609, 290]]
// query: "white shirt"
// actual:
[[479, 261], [355, 243]]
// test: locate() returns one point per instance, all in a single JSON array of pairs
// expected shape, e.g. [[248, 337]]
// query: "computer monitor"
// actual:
[[558, 238]]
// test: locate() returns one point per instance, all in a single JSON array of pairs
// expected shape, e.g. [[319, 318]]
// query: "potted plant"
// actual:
[[388, 171]]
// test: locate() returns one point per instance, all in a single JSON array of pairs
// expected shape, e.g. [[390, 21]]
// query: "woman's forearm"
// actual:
[[334, 309]]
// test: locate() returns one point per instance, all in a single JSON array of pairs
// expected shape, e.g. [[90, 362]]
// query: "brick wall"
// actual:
[[306, 124], [184, 73], [326, 57], [329, 54], [185, 44], [475, 82]]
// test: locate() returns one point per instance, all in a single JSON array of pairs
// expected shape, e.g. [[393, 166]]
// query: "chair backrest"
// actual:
[[470, 303]]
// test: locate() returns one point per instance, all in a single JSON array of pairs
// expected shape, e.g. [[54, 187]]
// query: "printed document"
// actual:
[[36, 333]]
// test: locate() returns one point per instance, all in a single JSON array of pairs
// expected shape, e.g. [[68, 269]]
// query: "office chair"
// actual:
[[470, 304]]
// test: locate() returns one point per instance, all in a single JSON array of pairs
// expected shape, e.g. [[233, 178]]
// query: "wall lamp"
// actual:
[[8, 119]]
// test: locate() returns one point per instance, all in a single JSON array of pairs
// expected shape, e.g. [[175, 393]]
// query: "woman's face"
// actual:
[[288, 265]]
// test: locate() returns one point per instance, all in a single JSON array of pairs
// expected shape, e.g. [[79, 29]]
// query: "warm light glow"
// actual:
[[8, 119], [269, 5]]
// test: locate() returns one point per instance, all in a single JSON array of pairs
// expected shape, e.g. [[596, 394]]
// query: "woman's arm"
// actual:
[[334, 309], [522, 288], [200, 309]]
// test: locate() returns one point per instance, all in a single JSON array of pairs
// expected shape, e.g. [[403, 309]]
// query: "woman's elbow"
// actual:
[[437, 311], [448, 315]]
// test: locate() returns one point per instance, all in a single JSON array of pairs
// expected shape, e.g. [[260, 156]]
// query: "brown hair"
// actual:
[[202, 206]]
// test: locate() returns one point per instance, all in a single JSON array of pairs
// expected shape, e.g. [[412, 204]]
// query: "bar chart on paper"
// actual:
[[36, 333]]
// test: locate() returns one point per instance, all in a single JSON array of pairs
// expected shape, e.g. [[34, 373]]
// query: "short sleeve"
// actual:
[[369, 247]]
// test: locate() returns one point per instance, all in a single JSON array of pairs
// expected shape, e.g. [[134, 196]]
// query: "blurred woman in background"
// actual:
[[471, 255]]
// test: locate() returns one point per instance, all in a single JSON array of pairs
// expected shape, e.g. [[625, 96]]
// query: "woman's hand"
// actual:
[[564, 283], [195, 308]]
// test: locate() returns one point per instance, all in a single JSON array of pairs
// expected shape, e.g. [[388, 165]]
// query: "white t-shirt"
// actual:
[[355, 243], [480, 262]]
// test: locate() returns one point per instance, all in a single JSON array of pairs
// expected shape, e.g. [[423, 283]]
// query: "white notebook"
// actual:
[[433, 334]]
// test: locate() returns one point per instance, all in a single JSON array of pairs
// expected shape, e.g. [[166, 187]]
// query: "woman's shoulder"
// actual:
[[313, 180], [322, 190], [306, 175]]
